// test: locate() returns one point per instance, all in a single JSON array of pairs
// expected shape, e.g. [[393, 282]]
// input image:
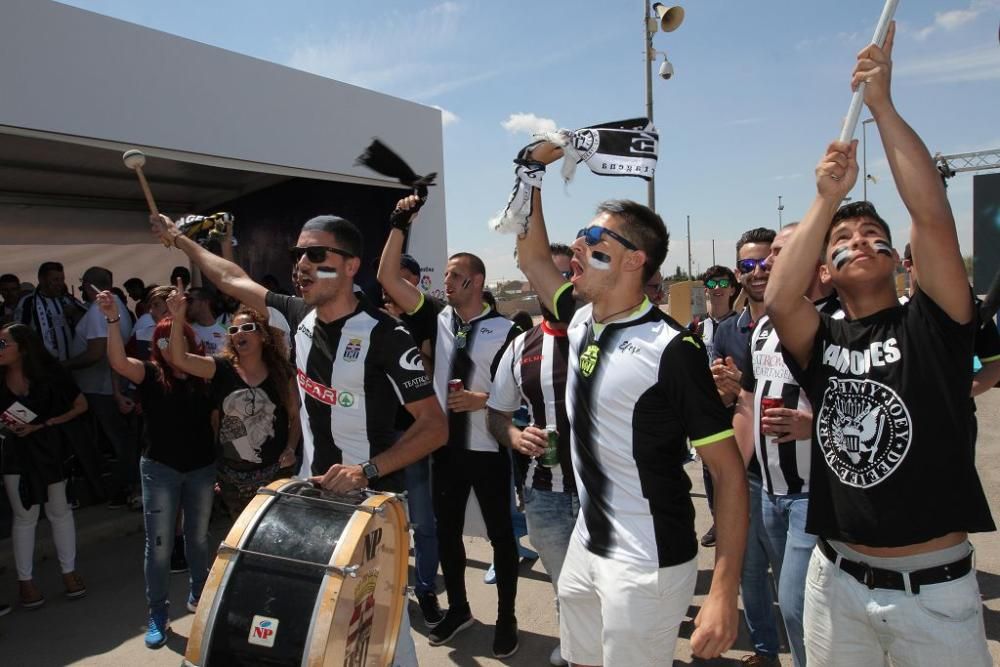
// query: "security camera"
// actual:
[[666, 70]]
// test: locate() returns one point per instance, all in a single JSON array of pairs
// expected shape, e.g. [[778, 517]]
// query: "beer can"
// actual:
[[550, 458], [455, 384]]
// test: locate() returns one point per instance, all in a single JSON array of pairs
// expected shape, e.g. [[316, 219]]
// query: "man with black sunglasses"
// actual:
[[466, 341], [638, 388], [353, 363]]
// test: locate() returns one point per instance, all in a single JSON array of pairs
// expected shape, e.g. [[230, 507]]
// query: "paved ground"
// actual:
[[106, 628]]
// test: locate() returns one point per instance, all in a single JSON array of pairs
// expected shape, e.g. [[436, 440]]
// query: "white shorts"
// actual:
[[618, 613]]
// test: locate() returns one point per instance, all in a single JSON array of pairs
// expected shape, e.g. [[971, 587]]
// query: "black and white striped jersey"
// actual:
[[353, 373], [533, 371], [638, 389]]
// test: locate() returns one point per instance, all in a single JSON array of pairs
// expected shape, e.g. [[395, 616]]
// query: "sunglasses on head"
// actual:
[[748, 265], [593, 235], [712, 283], [246, 327], [316, 253]]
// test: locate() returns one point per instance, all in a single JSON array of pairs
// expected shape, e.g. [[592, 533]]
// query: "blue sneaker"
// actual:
[[192, 603], [491, 575], [156, 635]]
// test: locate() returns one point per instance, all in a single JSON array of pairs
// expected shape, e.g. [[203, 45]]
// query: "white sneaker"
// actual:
[[556, 657]]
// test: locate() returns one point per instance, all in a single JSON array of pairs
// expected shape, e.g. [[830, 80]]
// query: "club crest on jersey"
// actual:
[[588, 360], [864, 431], [353, 350]]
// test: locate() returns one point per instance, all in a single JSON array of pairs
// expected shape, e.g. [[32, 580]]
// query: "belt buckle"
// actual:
[[869, 580]]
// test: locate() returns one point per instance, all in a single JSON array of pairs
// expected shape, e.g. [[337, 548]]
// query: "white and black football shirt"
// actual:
[[350, 372], [638, 389], [891, 464], [533, 371]]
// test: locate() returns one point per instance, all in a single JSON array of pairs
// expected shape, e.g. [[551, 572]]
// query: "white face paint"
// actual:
[[325, 273], [599, 260], [841, 256], [882, 247]]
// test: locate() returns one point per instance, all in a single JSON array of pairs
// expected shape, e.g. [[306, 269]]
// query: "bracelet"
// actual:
[[117, 319]]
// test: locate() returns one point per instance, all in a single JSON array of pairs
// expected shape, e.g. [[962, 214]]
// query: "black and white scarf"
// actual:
[[619, 148]]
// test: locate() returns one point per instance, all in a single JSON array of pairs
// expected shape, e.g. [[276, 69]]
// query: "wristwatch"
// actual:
[[370, 470]]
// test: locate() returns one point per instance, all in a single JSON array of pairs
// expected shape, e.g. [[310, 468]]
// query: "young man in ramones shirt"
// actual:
[[533, 371], [638, 387], [354, 365], [893, 489], [466, 339]]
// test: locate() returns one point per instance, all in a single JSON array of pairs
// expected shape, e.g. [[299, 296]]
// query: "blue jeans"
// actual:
[[785, 524], [163, 489], [551, 517], [755, 586], [421, 509]]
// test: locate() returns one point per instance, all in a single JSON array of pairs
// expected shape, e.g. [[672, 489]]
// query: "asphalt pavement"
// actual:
[[107, 626]]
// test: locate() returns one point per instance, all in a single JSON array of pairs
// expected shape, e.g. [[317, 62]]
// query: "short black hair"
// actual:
[[410, 264], [48, 267], [347, 233], [10, 278], [478, 268], [643, 227], [560, 249], [490, 300], [99, 277], [858, 209], [181, 272], [134, 283], [755, 235], [719, 270]]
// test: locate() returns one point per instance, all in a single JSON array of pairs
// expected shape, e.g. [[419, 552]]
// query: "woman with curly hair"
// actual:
[[252, 388], [178, 461], [37, 396]]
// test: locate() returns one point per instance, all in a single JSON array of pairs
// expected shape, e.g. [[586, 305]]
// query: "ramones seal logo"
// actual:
[[588, 360], [864, 431]]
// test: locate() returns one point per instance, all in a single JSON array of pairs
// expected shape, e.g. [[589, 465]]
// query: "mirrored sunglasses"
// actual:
[[315, 253], [712, 283], [594, 234], [748, 265], [246, 327]]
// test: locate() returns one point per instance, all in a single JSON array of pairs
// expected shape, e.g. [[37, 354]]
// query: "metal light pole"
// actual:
[[689, 247], [780, 209], [713, 252], [864, 154], [657, 17]]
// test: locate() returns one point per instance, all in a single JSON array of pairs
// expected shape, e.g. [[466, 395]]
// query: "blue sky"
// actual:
[[760, 89]]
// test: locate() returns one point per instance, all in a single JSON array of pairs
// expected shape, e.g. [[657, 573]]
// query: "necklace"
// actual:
[[603, 320]]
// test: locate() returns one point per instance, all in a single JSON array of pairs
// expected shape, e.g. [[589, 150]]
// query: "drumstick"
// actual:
[[134, 160], [851, 122]]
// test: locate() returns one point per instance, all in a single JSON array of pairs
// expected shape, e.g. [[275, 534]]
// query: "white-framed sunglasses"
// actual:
[[246, 327]]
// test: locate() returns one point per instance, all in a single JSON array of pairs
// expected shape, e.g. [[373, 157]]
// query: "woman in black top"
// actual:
[[177, 465], [37, 396], [252, 388]]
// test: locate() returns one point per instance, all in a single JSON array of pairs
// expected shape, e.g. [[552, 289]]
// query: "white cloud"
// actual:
[[976, 64], [954, 18], [447, 117], [528, 123]]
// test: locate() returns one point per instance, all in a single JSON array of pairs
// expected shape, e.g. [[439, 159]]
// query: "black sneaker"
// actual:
[[178, 563], [430, 608], [708, 539], [453, 623], [505, 638]]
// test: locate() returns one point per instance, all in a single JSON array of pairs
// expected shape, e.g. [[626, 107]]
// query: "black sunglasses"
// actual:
[[316, 253], [593, 235], [748, 265], [712, 283], [246, 327]]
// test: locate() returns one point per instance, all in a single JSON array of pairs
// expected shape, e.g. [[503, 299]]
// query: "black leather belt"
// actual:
[[874, 577]]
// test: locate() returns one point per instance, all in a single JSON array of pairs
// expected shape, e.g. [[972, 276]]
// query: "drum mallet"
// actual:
[[881, 29], [135, 160]]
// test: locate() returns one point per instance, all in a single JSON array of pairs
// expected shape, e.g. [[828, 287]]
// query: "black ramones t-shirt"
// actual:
[[253, 421], [891, 465]]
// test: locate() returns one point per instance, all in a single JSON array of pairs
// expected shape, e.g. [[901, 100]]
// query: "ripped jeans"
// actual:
[[164, 489]]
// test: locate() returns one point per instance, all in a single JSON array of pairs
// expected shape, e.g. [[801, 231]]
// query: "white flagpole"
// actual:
[[854, 111]]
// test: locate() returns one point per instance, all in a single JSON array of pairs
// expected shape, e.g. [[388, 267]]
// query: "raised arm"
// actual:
[[287, 457], [129, 368], [403, 294], [933, 239], [192, 364], [227, 276], [794, 316], [533, 254]]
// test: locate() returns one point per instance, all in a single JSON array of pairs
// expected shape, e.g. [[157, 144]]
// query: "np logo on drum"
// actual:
[[263, 630]]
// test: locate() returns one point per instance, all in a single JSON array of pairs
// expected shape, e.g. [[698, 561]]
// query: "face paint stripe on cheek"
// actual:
[[841, 256], [882, 247], [599, 260], [325, 273]]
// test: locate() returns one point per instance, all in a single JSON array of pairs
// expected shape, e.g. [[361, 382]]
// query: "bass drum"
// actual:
[[305, 578]]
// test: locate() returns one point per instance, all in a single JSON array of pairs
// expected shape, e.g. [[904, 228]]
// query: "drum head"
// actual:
[[305, 579]]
